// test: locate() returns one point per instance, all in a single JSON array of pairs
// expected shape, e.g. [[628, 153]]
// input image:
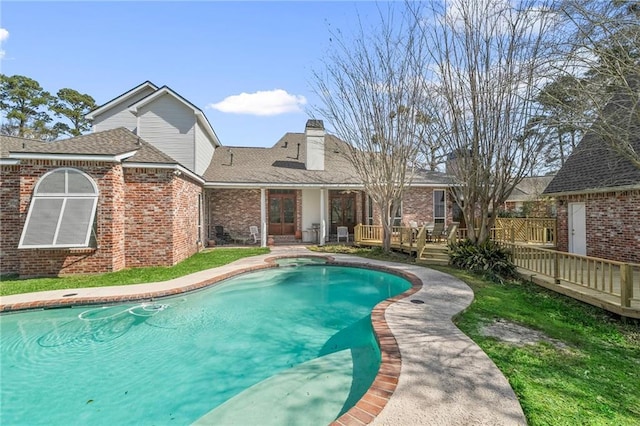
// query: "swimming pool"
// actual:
[[285, 345]]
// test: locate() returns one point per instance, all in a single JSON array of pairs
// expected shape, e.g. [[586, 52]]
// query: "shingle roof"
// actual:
[[595, 166], [109, 142], [12, 143], [284, 164], [530, 188]]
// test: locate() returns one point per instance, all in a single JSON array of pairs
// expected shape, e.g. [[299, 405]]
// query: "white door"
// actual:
[[577, 228]]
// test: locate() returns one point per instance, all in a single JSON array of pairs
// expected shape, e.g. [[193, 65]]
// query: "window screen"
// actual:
[[62, 211], [439, 206]]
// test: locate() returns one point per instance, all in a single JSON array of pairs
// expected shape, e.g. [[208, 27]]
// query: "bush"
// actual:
[[486, 258]]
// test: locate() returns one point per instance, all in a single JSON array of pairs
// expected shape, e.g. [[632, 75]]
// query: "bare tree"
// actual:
[[370, 91], [487, 60], [603, 47]]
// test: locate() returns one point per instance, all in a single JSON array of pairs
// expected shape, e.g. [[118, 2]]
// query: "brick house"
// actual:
[[527, 199], [152, 181], [597, 192]]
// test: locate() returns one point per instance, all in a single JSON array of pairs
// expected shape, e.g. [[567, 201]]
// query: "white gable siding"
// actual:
[[204, 150], [119, 115], [170, 126]]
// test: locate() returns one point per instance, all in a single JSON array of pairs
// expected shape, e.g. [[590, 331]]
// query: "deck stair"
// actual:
[[434, 254]]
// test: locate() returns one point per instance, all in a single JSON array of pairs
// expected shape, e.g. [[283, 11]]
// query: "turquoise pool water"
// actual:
[[288, 345]]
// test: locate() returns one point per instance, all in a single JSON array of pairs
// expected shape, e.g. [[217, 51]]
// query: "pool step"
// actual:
[[311, 393]]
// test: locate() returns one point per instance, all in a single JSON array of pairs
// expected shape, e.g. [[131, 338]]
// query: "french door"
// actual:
[[282, 212]]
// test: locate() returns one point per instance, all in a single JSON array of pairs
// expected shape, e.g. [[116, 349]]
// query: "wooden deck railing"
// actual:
[[402, 237], [540, 231], [601, 275]]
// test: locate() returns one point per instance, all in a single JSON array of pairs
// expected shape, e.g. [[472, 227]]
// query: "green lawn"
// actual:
[[594, 381], [198, 262]]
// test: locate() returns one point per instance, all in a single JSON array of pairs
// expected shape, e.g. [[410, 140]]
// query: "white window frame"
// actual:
[[397, 219], [65, 197], [440, 219]]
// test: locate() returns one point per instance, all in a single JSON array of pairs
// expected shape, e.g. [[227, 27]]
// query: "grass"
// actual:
[[594, 381], [198, 262]]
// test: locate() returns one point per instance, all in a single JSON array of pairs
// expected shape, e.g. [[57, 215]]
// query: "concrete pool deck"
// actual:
[[444, 377]]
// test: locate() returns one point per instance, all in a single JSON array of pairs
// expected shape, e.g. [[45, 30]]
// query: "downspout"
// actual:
[[323, 220], [263, 218]]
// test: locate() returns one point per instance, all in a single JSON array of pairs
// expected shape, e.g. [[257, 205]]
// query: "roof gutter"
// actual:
[[260, 185], [108, 158], [594, 191], [176, 167]]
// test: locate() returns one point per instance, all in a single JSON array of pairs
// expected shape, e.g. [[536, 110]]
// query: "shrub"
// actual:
[[486, 258]]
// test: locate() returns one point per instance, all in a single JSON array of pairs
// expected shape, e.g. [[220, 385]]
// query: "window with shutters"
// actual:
[[62, 211]]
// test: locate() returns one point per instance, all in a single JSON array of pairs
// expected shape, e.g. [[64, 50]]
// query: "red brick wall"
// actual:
[[186, 240], [417, 205], [10, 225], [162, 217], [235, 209], [612, 224], [107, 256], [150, 220], [148, 227]]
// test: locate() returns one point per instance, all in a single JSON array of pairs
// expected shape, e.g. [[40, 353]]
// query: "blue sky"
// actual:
[[210, 52]]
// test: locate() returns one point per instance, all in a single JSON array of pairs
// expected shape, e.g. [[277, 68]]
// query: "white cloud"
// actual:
[[4, 34], [268, 102]]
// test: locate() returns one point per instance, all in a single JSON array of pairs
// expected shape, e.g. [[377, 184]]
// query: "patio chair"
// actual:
[[253, 231], [414, 229], [343, 232], [438, 231], [222, 237]]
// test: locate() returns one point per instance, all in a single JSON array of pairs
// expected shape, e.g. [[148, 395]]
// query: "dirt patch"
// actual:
[[518, 335]]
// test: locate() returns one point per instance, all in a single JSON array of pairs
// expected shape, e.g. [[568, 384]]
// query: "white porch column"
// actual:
[[263, 217], [323, 219]]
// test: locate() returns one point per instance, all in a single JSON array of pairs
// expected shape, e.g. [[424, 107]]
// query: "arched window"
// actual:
[[62, 211]]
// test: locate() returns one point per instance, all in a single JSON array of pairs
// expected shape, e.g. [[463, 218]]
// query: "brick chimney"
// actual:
[[314, 134]]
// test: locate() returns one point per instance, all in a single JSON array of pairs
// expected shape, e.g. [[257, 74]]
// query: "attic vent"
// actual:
[[285, 144]]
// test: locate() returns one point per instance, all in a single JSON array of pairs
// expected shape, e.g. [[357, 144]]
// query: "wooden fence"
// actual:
[[530, 230], [537, 231], [601, 275]]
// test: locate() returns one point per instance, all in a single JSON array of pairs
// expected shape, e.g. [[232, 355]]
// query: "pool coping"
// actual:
[[388, 398]]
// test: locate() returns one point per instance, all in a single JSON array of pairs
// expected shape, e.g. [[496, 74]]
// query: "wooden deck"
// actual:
[[613, 286]]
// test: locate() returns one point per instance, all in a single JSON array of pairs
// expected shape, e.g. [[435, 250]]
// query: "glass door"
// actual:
[[343, 210], [282, 212]]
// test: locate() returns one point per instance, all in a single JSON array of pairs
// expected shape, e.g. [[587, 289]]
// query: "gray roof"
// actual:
[[530, 188], [284, 164], [109, 142], [594, 166]]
